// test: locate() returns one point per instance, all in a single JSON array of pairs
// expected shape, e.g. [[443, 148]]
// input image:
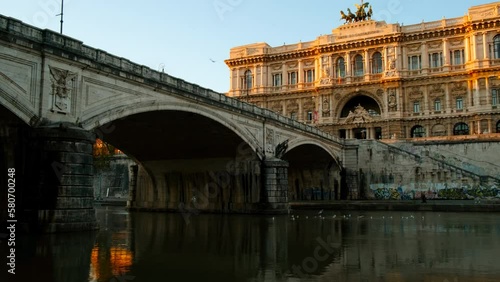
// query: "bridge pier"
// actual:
[[274, 198], [58, 196]]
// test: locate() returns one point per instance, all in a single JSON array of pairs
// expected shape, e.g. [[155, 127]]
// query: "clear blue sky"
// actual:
[[185, 35]]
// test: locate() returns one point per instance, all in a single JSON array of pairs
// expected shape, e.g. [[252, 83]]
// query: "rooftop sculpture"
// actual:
[[361, 13]]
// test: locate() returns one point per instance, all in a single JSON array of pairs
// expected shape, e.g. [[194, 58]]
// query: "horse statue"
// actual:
[[345, 17], [360, 15]]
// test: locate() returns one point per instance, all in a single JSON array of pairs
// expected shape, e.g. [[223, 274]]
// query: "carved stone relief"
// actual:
[[63, 89], [458, 89], [392, 100], [415, 94], [269, 140], [325, 108]]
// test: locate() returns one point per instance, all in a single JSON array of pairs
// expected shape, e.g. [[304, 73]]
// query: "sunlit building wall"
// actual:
[[377, 80]]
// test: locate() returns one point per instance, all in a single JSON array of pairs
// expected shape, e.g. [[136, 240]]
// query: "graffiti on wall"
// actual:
[[448, 191]]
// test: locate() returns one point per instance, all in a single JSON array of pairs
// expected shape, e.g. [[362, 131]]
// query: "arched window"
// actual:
[[340, 67], [358, 65], [498, 126], [496, 47], [377, 63], [461, 129], [417, 131], [248, 79]]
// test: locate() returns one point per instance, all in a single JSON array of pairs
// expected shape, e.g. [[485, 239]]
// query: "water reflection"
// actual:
[[372, 246]]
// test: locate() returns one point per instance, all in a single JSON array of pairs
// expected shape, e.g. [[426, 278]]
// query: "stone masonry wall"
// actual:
[[389, 172]]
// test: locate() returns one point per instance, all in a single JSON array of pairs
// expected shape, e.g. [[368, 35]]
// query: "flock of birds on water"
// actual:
[[321, 216]]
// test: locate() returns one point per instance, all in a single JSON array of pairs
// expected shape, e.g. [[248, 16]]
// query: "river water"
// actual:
[[334, 246]]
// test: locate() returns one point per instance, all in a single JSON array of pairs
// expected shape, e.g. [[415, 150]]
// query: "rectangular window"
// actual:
[[309, 75], [292, 78], [414, 62], [436, 60], [460, 103], [437, 105], [309, 115], [277, 79], [416, 107], [458, 57], [494, 97]]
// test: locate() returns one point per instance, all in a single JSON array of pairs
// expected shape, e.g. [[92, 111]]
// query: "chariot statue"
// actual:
[[363, 12]]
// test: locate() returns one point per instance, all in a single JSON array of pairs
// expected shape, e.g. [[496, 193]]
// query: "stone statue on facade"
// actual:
[[281, 149], [361, 13]]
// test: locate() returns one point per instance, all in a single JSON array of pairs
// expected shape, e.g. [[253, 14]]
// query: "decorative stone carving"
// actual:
[[392, 100], [459, 89], [435, 45], [392, 71], [360, 115], [414, 47], [281, 149], [269, 140], [276, 66], [436, 91], [292, 106], [325, 108], [415, 93], [63, 89], [308, 104], [276, 107]]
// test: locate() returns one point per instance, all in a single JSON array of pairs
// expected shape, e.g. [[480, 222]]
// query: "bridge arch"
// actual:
[[15, 101], [120, 112], [304, 141], [314, 171]]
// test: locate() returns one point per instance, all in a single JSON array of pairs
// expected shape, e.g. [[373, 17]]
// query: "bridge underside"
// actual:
[[188, 162], [313, 175], [53, 176]]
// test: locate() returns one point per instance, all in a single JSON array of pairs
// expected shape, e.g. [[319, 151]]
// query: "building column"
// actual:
[[300, 78], [367, 65], [348, 64], [490, 130], [284, 76], [425, 58], [467, 49], [470, 92], [472, 127], [274, 198], [479, 130], [330, 60], [61, 196], [386, 58], [448, 102], [239, 81], [255, 80], [474, 47], [488, 93], [450, 128], [401, 61], [446, 52], [486, 53]]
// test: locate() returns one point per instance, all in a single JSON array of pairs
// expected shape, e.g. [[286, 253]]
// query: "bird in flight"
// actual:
[[213, 61]]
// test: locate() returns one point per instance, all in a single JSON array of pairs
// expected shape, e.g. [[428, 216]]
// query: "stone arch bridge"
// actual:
[[196, 149]]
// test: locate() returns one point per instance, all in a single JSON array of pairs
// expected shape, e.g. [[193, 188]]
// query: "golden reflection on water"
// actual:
[[105, 263]]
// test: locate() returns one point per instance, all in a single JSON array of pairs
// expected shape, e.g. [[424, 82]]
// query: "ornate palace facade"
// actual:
[[371, 79]]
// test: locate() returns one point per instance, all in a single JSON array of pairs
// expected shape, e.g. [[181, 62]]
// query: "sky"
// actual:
[[190, 39]]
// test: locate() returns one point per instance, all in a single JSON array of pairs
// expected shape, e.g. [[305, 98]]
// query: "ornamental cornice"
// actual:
[[423, 35]]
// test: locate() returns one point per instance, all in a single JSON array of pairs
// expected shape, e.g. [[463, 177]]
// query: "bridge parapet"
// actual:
[[16, 32]]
